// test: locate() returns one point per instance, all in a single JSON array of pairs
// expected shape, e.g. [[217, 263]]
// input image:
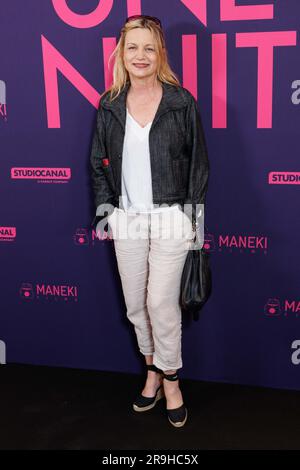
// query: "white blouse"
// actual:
[[136, 169]]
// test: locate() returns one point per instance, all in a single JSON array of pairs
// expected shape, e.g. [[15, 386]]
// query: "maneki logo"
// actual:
[[287, 308], [8, 234], [81, 236], [42, 174], [3, 110], [209, 242], [243, 243], [65, 293]]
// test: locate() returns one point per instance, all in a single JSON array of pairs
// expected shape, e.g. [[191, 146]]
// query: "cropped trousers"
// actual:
[[151, 250]]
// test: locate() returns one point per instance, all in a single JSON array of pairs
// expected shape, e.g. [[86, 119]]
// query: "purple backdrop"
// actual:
[[61, 296]]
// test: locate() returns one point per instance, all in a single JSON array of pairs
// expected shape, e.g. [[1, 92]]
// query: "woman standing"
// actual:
[[149, 150]]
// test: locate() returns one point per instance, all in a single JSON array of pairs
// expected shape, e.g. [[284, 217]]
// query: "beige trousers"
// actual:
[[151, 250]]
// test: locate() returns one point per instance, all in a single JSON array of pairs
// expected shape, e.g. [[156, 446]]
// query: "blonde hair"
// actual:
[[120, 74]]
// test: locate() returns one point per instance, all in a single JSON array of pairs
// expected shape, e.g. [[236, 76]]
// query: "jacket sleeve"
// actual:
[[100, 186], [199, 164]]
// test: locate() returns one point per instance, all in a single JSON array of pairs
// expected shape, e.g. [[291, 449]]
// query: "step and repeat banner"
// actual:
[[61, 296]]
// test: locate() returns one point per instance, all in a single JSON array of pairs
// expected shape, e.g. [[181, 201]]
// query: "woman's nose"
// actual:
[[140, 55]]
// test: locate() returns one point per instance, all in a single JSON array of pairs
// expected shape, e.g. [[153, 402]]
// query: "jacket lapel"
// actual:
[[172, 98]]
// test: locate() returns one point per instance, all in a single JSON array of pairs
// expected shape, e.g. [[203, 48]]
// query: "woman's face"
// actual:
[[140, 53]]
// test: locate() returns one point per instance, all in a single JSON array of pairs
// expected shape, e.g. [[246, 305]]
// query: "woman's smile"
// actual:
[[141, 66]]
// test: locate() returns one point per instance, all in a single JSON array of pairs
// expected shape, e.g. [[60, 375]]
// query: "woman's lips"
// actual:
[[141, 66]]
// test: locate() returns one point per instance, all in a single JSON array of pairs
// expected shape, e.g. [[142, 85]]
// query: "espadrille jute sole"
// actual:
[[159, 396], [180, 423]]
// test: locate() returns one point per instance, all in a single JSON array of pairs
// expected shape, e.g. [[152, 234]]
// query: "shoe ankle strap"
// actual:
[[171, 377], [154, 368]]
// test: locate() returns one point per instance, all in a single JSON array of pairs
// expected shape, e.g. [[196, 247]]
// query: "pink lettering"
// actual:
[[88, 20], [54, 61], [3, 110], [219, 80], [8, 232], [109, 45], [189, 63], [229, 11], [284, 177], [265, 43], [293, 306], [198, 8], [251, 242]]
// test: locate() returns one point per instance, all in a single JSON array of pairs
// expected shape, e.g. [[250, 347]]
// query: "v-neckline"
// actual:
[[137, 122]]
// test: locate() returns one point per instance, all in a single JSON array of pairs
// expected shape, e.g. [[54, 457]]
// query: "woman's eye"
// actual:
[[148, 49]]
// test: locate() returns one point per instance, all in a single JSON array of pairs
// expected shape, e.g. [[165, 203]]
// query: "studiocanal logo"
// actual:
[[285, 308], [284, 177], [8, 234], [3, 109], [29, 291], [42, 175]]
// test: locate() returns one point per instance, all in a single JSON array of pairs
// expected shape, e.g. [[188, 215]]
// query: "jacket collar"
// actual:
[[172, 98]]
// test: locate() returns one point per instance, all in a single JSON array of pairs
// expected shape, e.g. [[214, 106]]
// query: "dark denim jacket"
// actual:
[[178, 152]]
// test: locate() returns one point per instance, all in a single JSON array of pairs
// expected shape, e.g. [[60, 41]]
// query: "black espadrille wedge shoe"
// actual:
[[176, 416], [142, 403]]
